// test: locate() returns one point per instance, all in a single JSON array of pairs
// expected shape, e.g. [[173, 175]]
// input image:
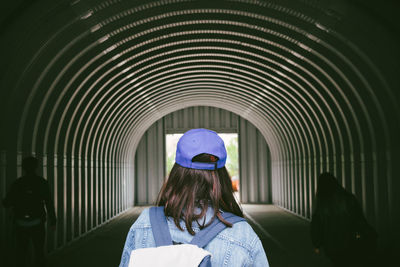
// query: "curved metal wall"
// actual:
[[83, 80]]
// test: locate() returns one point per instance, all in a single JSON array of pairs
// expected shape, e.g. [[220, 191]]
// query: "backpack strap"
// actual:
[[202, 238], [159, 226], [162, 236], [206, 262]]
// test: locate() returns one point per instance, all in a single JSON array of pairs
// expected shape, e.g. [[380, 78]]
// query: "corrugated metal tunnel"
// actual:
[[309, 86]]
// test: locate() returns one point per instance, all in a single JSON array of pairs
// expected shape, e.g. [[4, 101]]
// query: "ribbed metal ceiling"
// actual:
[[88, 78], [120, 65]]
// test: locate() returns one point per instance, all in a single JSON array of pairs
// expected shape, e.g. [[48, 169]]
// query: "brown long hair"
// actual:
[[185, 189]]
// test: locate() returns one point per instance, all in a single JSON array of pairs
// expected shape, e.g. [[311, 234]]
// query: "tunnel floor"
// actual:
[[285, 238]]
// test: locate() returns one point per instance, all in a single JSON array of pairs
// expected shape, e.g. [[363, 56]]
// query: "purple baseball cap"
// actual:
[[198, 141]]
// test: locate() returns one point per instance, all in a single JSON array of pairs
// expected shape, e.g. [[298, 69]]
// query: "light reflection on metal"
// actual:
[[75, 2], [320, 26], [109, 49], [313, 37], [121, 63], [303, 46], [88, 14], [126, 69], [95, 28], [116, 56], [131, 75], [103, 39], [132, 81]]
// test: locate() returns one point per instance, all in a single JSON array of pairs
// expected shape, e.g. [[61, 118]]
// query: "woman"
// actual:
[[339, 226], [195, 194]]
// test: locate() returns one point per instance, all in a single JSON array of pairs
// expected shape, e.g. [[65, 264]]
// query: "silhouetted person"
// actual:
[[339, 226], [28, 197]]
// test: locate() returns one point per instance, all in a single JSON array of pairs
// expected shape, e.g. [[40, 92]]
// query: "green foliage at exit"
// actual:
[[170, 161], [233, 162]]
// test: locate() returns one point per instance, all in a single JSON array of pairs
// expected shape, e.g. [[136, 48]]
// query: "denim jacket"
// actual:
[[234, 247]]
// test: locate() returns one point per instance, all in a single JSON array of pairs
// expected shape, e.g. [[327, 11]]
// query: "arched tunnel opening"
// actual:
[[91, 88], [252, 152]]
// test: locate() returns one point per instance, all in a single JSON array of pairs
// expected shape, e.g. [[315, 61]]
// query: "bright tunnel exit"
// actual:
[[232, 161]]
